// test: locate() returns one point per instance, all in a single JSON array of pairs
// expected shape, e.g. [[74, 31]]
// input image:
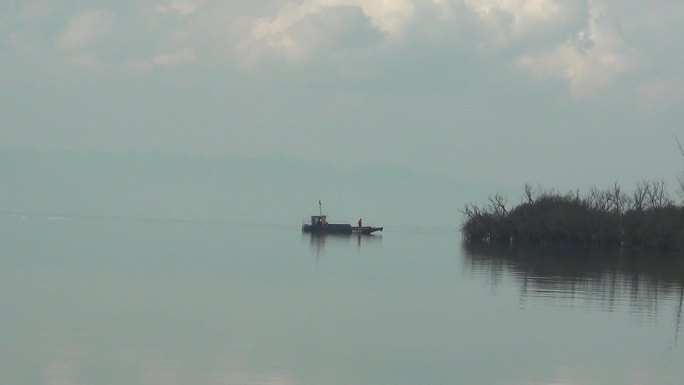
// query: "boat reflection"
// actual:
[[319, 242], [641, 281]]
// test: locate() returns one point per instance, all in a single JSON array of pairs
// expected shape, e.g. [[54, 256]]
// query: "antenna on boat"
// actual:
[[320, 208]]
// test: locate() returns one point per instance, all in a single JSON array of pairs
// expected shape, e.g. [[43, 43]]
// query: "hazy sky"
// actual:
[[570, 93]]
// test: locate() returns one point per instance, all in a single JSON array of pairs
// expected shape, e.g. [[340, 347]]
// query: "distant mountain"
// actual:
[[271, 190]]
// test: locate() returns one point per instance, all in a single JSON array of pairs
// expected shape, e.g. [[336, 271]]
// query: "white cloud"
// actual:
[[593, 59], [84, 28], [390, 17], [511, 19], [180, 7], [505, 21]]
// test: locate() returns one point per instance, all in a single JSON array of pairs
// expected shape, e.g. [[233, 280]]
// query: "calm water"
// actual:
[[98, 301]]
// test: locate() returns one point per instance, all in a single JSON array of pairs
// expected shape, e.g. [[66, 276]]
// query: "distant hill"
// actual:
[[272, 190]]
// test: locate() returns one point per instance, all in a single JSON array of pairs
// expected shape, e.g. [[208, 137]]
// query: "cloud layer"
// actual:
[[590, 61], [581, 43]]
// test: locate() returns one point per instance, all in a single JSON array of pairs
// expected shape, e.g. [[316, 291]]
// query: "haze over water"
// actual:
[[117, 301]]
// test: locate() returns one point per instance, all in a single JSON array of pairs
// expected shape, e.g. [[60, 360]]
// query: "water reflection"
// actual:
[[318, 242], [642, 281]]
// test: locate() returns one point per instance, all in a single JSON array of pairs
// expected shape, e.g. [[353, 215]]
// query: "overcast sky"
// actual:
[[566, 93]]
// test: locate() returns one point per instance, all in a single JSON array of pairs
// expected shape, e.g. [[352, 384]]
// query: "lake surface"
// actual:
[[115, 301]]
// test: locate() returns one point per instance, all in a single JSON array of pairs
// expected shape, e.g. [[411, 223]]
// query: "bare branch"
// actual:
[[498, 203], [529, 193]]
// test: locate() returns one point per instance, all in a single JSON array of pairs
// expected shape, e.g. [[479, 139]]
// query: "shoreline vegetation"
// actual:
[[647, 218]]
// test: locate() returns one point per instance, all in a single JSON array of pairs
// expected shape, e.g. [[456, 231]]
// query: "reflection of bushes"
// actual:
[[577, 261], [646, 218], [608, 275]]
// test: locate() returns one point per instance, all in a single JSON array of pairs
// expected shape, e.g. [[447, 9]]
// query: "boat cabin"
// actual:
[[318, 220]]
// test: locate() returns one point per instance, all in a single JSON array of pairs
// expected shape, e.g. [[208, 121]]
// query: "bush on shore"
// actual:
[[646, 218]]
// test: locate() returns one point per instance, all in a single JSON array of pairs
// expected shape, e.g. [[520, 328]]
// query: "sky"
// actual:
[[560, 93]]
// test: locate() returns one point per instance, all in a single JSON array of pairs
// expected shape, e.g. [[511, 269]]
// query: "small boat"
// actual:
[[319, 225]]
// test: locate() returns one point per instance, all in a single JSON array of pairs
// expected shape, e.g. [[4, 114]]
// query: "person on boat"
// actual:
[[360, 222]]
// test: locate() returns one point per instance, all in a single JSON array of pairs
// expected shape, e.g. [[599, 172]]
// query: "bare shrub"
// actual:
[[647, 217]]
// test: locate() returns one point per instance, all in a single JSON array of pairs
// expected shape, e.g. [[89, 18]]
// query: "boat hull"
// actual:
[[329, 228], [332, 228]]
